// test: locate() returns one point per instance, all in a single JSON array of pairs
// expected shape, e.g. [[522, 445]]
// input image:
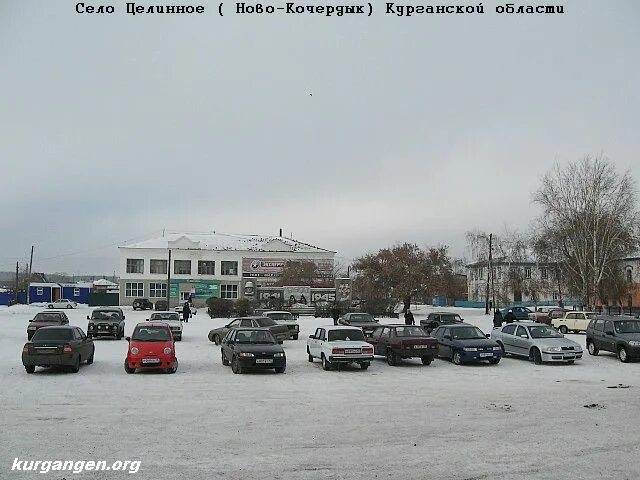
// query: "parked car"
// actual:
[[540, 316], [521, 313], [46, 319], [62, 303], [151, 346], [106, 322], [339, 345], [573, 321], [54, 346], [252, 348], [537, 342], [178, 308], [162, 306], [436, 319], [619, 335], [280, 332], [363, 320], [552, 312], [285, 318], [173, 319], [397, 342], [142, 304], [464, 343]]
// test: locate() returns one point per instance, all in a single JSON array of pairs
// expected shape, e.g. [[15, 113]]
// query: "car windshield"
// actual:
[[55, 334], [466, 333], [280, 316], [255, 336], [591, 316], [346, 335], [151, 334], [165, 316], [543, 331], [410, 332], [627, 326], [104, 315], [361, 318], [265, 322], [450, 318], [46, 317]]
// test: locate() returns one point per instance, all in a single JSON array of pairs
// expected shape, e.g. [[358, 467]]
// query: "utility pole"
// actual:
[[169, 282], [29, 278], [17, 269], [486, 301]]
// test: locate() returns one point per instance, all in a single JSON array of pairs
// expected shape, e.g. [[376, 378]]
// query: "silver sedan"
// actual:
[[537, 342]]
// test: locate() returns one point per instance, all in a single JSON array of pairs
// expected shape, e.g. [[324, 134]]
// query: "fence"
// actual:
[[104, 299]]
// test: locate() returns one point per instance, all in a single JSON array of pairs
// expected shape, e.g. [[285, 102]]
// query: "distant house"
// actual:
[[104, 286], [44, 292], [78, 292]]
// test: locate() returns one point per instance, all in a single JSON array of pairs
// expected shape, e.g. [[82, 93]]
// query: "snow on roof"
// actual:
[[41, 284], [223, 241], [77, 284], [103, 282]]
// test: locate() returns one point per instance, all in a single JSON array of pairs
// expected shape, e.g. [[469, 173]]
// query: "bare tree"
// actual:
[[590, 217]]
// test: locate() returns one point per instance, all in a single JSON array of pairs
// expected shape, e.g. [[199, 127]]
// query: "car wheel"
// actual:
[[30, 368], [29, 335], [295, 337], [623, 355], [76, 366], [426, 360], [391, 358], [69, 306], [502, 348], [593, 350], [310, 356], [225, 362], [89, 335], [494, 361], [216, 339], [535, 356], [563, 329], [326, 364], [90, 359], [127, 368], [364, 365], [281, 369], [49, 306], [174, 369], [235, 365], [457, 358], [571, 362]]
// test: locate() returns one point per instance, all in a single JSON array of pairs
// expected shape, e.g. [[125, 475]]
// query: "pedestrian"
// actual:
[[335, 313], [186, 312], [510, 317], [497, 318], [408, 318]]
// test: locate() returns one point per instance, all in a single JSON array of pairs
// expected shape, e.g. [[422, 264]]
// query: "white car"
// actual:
[[170, 318], [285, 318], [62, 303], [180, 306], [573, 321], [338, 345]]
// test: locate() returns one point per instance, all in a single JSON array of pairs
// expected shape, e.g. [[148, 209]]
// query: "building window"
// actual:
[[135, 265], [40, 291], [158, 266], [229, 268], [134, 289], [544, 274], [527, 272], [629, 276], [229, 291], [556, 296], [158, 290], [76, 292], [206, 267], [182, 267]]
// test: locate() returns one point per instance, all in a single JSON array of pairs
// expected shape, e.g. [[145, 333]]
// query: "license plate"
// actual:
[[264, 360], [420, 346], [486, 354], [150, 360], [352, 350]]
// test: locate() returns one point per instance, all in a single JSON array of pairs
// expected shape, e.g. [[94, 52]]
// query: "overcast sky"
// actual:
[[418, 129]]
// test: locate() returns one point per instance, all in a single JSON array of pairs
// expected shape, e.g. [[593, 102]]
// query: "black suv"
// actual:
[[436, 319], [106, 322], [620, 335], [142, 304]]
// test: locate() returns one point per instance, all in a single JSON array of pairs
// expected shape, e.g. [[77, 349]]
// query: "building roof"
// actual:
[[103, 282], [226, 242], [42, 284], [76, 285]]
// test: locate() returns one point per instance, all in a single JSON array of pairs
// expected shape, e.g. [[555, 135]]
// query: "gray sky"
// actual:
[[418, 129]]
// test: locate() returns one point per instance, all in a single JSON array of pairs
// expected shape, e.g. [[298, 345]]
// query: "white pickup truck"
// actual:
[[339, 345], [573, 322], [170, 318]]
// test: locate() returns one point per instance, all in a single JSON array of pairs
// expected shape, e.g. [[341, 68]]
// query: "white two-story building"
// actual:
[[207, 265]]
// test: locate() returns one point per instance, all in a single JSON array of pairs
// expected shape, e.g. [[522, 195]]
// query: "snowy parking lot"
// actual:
[[514, 420]]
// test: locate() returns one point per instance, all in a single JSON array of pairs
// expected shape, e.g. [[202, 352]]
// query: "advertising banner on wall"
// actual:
[[269, 270], [323, 295], [198, 288], [297, 295], [343, 290]]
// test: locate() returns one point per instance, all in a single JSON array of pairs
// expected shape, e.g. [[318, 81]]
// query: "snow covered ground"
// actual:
[[513, 421]]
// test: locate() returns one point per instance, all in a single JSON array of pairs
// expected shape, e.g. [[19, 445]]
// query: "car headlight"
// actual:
[[278, 355], [114, 326], [33, 328], [554, 349], [470, 349], [134, 350], [246, 354], [167, 351], [634, 343], [497, 348]]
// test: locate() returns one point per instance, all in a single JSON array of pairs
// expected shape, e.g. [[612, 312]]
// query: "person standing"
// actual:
[[510, 317], [186, 312], [497, 318], [408, 318], [335, 313]]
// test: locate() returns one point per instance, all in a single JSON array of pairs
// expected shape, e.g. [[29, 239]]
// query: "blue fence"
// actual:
[[7, 297]]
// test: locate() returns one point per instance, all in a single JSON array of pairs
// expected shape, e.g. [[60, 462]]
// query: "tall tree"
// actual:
[[590, 217]]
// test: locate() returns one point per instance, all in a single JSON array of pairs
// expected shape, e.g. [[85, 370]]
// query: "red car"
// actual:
[[397, 342], [151, 346]]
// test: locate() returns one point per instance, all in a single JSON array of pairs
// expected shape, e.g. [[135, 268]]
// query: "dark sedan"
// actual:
[[436, 319], [280, 332], [106, 322], [403, 341], [142, 304], [464, 343], [58, 346], [252, 348], [46, 319], [363, 320]]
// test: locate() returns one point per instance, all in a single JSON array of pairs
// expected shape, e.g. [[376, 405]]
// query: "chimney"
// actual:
[[280, 233]]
